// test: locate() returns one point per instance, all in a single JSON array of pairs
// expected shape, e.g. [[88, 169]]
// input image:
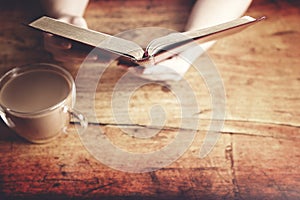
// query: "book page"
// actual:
[[89, 37], [177, 42]]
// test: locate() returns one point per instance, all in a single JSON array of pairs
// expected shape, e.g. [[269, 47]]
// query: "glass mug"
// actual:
[[37, 101]]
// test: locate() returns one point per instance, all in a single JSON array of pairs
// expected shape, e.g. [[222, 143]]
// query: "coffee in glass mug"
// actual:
[[37, 101]]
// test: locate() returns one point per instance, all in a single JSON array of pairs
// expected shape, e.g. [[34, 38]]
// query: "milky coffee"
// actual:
[[34, 91], [35, 101]]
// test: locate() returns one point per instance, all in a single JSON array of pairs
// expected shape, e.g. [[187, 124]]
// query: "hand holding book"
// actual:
[[204, 13], [158, 50], [62, 49]]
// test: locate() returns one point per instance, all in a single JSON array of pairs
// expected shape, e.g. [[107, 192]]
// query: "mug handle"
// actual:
[[78, 116], [6, 119]]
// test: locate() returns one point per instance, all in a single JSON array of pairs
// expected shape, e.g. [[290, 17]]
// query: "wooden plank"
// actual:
[[256, 157]]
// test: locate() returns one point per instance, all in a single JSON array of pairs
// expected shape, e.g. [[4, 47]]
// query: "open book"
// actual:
[[157, 50]]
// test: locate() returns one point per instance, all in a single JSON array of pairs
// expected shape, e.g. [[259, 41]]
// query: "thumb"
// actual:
[[75, 20]]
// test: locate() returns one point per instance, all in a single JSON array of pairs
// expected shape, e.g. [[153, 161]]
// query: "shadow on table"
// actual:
[[8, 135]]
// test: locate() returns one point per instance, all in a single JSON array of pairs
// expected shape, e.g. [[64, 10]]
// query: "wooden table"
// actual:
[[256, 157]]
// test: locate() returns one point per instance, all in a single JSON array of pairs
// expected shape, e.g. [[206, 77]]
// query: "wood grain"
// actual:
[[256, 157]]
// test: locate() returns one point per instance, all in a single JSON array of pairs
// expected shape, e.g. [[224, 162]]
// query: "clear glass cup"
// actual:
[[37, 101]]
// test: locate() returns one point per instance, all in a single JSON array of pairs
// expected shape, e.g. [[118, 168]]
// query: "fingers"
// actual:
[[74, 56], [61, 50], [54, 42], [77, 21]]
